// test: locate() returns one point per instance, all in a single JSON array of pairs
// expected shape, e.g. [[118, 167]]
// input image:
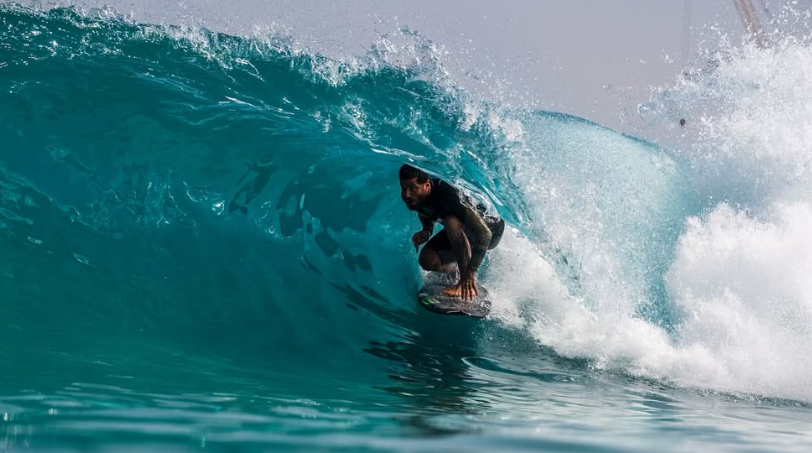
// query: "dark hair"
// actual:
[[409, 172]]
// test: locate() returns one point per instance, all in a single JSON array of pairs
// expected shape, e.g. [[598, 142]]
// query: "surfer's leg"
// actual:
[[437, 255], [455, 231]]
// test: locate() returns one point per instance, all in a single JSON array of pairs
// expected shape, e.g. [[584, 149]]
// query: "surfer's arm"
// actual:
[[474, 222], [422, 236]]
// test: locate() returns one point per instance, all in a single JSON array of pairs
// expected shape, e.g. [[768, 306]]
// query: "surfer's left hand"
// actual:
[[468, 286], [465, 289]]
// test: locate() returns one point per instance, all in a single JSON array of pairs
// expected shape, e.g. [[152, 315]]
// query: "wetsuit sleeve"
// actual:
[[472, 221], [428, 224]]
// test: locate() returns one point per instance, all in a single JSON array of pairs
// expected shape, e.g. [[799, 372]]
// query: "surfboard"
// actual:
[[431, 297]]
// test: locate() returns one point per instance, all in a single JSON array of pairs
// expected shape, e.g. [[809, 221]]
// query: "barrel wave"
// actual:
[[205, 231]]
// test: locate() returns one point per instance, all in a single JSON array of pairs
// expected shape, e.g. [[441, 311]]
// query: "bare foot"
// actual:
[[453, 291]]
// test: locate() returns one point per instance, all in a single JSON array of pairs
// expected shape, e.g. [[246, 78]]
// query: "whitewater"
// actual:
[[202, 246]]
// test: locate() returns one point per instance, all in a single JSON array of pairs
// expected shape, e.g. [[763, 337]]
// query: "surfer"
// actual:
[[468, 232]]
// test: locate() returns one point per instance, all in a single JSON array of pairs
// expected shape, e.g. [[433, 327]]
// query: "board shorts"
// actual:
[[442, 245]]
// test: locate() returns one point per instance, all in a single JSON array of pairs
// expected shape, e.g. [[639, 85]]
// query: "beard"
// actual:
[[418, 202]]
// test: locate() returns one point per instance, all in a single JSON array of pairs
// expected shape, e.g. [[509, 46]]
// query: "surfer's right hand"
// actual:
[[420, 238]]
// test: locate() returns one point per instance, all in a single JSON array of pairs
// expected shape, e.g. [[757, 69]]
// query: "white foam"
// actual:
[[521, 283], [750, 118], [527, 293], [740, 281], [743, 285], [745, 288], [743, 276]]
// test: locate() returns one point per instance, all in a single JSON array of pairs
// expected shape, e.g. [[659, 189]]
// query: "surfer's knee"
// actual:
[[429, 260]]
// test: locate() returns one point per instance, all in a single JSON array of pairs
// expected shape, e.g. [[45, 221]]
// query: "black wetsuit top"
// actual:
[[446, 200]]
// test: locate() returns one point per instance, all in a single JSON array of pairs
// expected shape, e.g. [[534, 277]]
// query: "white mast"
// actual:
[[751, 21]]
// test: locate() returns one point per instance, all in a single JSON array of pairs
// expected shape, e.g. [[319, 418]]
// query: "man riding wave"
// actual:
[[467, 234]]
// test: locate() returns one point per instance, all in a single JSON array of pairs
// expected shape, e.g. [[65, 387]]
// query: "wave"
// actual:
[[237, 195]]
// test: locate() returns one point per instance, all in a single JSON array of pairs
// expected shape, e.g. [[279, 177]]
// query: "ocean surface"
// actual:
[[202, 247]]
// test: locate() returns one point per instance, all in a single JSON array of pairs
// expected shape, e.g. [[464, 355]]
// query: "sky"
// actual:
[[596, 59]]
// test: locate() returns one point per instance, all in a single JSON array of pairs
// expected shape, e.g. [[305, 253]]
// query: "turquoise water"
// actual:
[[202, 246]]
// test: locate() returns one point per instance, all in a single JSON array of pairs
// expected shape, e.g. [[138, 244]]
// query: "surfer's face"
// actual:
[[414, 193]]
